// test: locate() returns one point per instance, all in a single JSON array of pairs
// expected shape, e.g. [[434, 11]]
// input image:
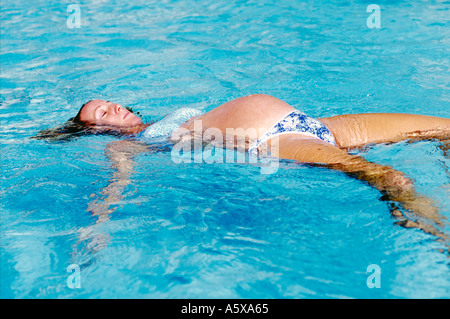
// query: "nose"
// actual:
[[118, 108]]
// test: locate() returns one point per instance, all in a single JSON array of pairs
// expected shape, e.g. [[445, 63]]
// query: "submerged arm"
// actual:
[[121, 154]]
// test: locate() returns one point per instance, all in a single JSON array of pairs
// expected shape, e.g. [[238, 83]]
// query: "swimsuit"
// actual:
[[295, 122], [160, 131]]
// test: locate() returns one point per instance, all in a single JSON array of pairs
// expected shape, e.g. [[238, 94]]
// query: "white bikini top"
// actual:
[[161, 130]]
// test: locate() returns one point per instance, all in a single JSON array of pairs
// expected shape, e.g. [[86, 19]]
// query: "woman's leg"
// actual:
[[393, 184], [356, 130]]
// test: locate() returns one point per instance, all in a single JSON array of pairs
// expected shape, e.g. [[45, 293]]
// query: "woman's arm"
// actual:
[[393, 184], [121, 154]]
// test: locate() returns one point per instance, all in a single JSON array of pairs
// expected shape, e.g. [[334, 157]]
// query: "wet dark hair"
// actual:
[[74, 128]]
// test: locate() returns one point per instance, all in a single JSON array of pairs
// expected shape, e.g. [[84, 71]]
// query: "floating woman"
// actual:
[[291, 135]]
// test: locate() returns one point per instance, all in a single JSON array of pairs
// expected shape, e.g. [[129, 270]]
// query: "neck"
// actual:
[[135, 129]]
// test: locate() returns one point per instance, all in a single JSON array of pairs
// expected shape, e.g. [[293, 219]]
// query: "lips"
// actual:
[[126, 114]]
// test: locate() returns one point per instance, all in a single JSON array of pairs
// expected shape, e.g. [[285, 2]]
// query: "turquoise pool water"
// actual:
[[200, 230]]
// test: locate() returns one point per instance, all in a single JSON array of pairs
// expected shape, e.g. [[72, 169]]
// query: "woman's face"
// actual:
[[99, 112]]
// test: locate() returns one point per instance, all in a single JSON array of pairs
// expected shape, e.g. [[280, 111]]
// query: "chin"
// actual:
[[134, 122]]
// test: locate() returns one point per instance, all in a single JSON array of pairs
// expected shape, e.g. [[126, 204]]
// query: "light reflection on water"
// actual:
[[213, 230]]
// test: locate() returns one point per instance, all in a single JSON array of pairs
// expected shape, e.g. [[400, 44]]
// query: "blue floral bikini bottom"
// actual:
[[295, 122]]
